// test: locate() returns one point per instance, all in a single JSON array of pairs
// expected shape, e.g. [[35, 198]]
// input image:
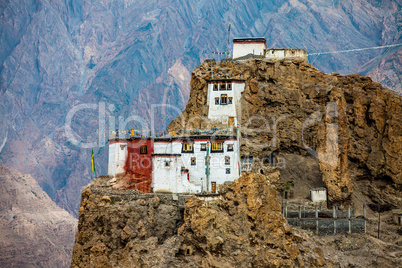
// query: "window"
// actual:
[[228, 171], [230, 147], [213, 186], [223, 86], [224, 99], [217, 147], [229, 86], [193, 161], [143, 149], [227, 160], [167, 163], [216, 101], [187, 148], [203, 147], [230, 100], [215, 86]]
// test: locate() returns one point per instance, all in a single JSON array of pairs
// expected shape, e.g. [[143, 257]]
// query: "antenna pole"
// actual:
[[227, 52]]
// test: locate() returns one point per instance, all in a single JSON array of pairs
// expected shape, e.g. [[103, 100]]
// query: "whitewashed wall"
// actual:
[[243, 49], [117, 157], [172, 179], [219, 112], [280, 53]]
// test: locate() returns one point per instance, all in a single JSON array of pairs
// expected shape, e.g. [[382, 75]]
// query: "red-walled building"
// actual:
[[138, 164]]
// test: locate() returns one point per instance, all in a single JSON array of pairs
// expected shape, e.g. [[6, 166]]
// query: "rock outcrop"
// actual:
[[34, 231], [349, 124], [131, 54], [241, 226]]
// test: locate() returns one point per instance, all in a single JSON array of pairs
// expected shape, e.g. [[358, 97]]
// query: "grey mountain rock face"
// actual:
[[34, 231], [56, 55]]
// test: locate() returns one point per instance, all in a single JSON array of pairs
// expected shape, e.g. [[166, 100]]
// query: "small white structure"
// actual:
[[397, 216], [224, 100], [117, 156], [280, 53], [318, 195], [245, 46]]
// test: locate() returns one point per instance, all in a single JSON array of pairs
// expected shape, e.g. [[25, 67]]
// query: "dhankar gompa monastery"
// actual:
[[198, 162]]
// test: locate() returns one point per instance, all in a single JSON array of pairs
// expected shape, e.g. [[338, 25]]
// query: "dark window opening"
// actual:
[[216, 101], [230, 100], [203, 147], [229, 86], [224, 99], [230, 147], [215, 86], [193, 161], [167, 163], [228, 171], [143, 149], [223, 86], [227, 160]]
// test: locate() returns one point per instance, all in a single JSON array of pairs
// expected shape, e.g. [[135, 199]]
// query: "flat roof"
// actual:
[[226, 80], [283, 48], [249, 40], [212, 136]]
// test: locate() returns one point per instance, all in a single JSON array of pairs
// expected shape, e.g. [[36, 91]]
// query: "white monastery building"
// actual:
[[199, 162], [257, 47], [177, 164], [245, 46]]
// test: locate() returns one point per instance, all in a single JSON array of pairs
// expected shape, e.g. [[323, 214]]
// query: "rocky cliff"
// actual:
[[348, 127], [241, 227], [34, 231], [131, 54]]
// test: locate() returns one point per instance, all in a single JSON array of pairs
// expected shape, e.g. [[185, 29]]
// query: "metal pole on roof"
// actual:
[[227, 50], [207, 170]]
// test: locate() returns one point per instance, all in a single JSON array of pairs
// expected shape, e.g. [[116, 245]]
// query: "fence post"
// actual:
[[364, 216], [350, 228], [300, 216], [316, 220], [334, 217]]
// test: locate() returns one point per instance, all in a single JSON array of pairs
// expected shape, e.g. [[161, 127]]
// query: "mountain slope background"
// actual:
[[34, 231], [92, 62]]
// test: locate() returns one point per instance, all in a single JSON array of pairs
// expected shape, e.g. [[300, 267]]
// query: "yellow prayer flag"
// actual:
[[93, 162]]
